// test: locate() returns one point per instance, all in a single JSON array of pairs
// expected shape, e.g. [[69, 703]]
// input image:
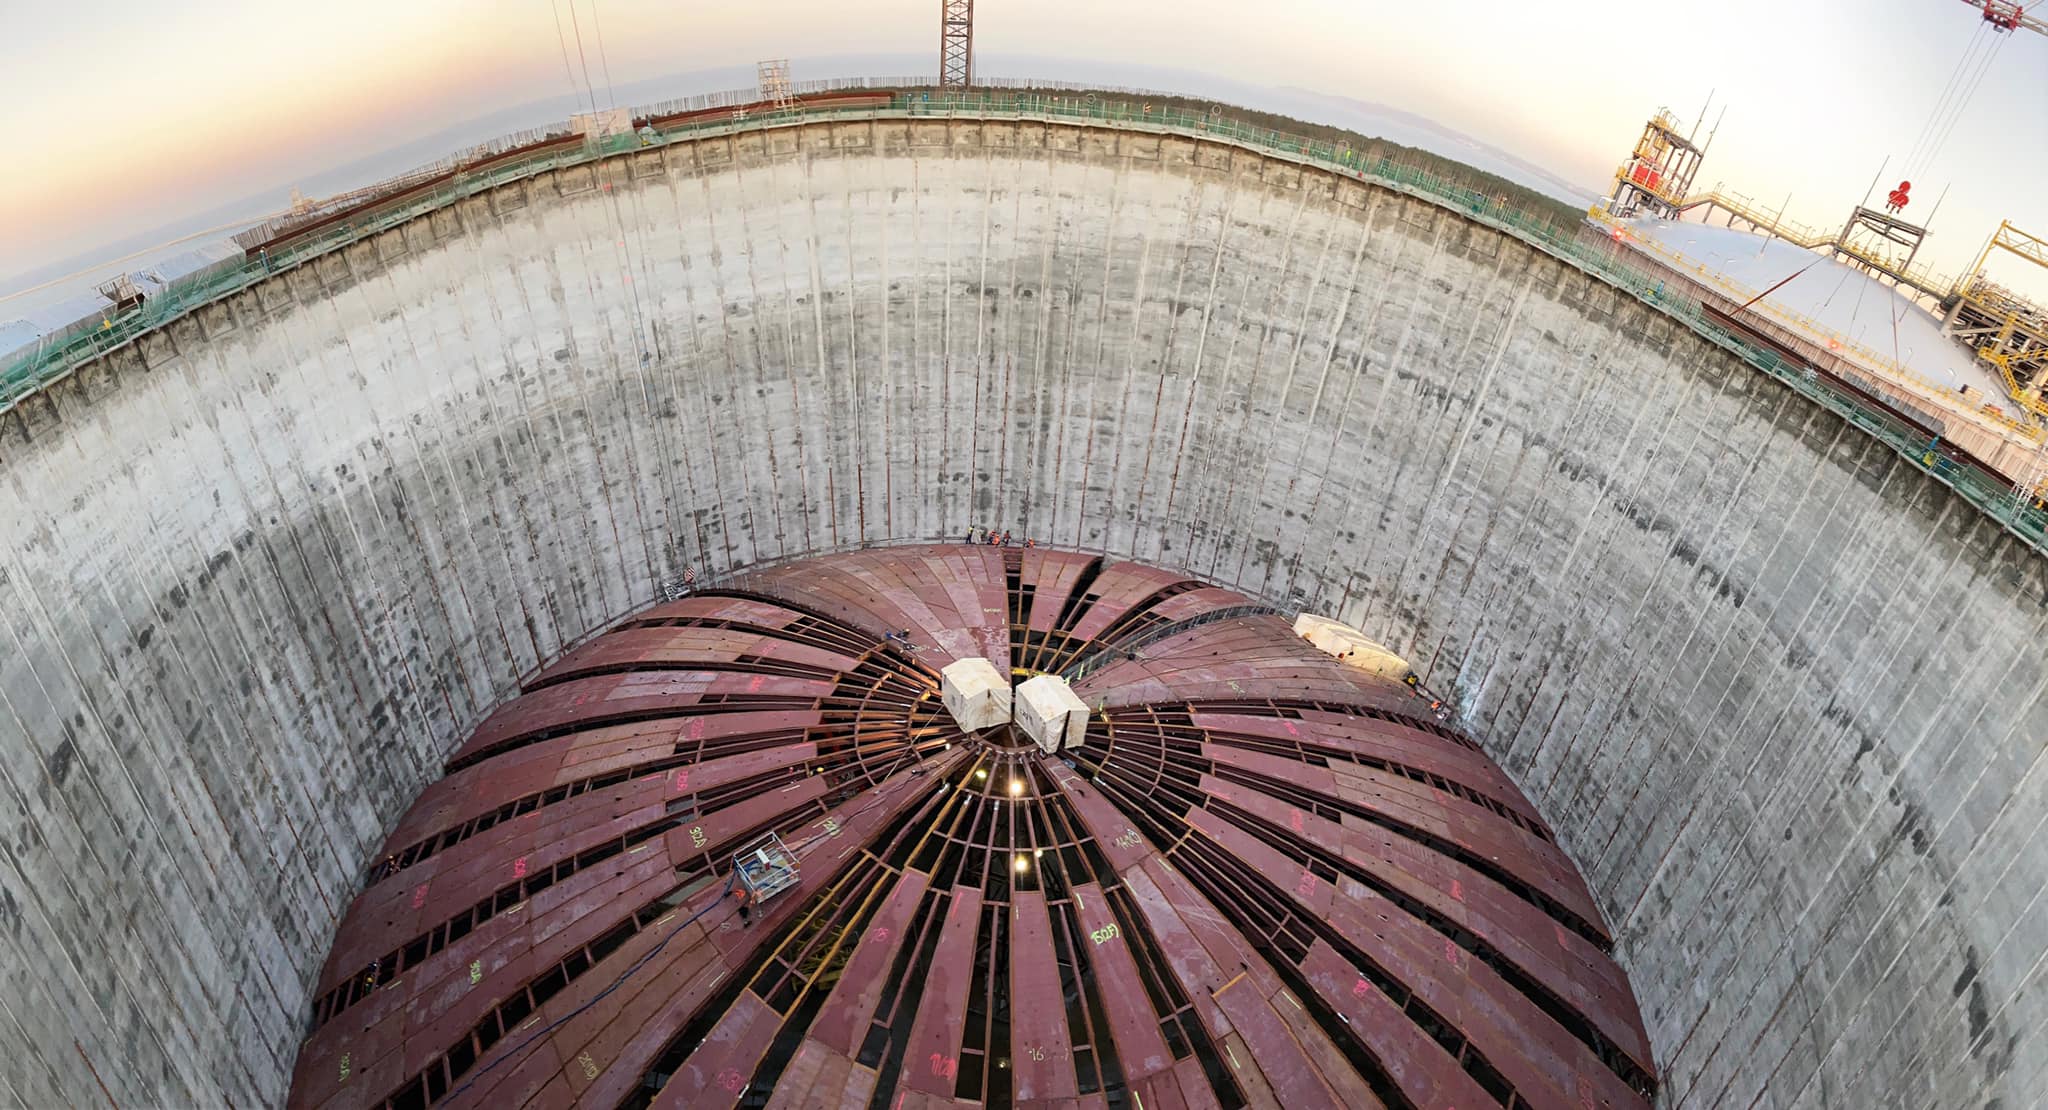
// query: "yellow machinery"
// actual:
[[2004, 328]]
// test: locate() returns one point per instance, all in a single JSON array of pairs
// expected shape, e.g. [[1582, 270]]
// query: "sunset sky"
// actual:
[[123, 117]]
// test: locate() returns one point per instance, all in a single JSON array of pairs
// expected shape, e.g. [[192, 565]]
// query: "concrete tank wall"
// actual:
[[1778, 691]]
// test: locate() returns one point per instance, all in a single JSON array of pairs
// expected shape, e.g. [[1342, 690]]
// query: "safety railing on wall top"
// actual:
[[2013, 505], [1838, 342]]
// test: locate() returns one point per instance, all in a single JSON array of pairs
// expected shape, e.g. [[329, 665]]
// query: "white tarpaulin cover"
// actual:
[[975, 693], [1833, 294], [1049, 712]]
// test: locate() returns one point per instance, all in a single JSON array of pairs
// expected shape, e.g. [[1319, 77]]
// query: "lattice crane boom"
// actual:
[[2007, 15]]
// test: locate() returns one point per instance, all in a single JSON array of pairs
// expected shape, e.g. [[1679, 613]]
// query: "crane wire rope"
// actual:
[[604, 64], [1958, 77], [1897, 359], [1949, 111], [1956, 113], [1862, 287], [1940, 105], [561, 40], [1780, 282], [582, 86], [1839, 282], [646, 343]]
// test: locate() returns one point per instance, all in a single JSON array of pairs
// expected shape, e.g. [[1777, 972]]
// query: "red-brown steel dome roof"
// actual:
[[1265, 879]]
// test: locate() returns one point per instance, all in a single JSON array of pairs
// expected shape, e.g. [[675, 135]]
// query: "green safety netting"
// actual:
[[29, 370]]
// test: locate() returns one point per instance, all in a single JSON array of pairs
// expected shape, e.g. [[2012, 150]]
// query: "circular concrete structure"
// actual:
[[1261, 878], [1777, 691]]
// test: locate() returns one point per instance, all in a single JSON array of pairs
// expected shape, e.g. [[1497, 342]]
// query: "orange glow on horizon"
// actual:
[[127, 155], [129, 117]]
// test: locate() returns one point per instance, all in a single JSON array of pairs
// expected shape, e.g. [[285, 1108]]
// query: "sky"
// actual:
[[124, 117]]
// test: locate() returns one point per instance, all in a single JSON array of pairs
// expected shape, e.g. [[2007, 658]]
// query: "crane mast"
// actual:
[[956, 43]]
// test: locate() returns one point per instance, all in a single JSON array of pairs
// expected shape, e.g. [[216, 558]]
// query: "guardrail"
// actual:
[[1746, 209], [1598, 256], [1837, 341], [29, 370]]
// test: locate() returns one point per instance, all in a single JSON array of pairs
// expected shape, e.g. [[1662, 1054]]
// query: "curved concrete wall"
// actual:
[[1778, 691]]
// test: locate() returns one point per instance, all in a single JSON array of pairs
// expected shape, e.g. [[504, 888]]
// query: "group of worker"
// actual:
[[978, 536]]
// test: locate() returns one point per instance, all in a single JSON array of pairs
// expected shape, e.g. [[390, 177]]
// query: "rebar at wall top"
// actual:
[[26, 373]]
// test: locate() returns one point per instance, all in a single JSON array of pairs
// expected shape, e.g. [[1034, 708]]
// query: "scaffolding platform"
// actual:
[[2005, 329], [1658, 174]]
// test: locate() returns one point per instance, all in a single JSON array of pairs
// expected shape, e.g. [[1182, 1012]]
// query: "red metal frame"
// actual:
[[1263, 878]]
